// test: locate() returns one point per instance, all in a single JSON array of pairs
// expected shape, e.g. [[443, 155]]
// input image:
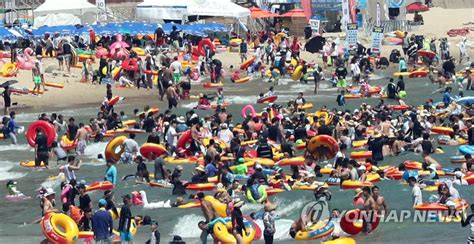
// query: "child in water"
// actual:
[[11, 187], [274, 75], [220, 96]]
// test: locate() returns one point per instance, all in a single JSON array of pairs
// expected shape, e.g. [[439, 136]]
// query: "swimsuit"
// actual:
[[37, 80]]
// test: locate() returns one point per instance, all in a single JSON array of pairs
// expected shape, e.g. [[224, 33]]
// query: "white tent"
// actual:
[[162, 9], [217, 8], [179, 9], [56, 19], [86, 11]]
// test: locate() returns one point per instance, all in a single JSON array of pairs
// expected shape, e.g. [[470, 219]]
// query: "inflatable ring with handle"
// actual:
[[46, 127], [59, 228], [111, 153], [322, 146]]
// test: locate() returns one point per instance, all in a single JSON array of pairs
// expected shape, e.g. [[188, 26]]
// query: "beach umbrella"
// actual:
[[130, 64], [294, 13], [417, 7], [257, 13], [8, 83], [315, 44]]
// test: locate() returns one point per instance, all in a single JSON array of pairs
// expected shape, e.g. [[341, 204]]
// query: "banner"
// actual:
[[352, 30], [377, 36], [377, 23], [346, 19], [396, 3], [353, 10], [102, 13], [362, 4], [314, 24]]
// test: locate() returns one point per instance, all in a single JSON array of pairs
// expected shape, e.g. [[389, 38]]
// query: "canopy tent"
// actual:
[[180, 9], [257, 13], [86, 11], [162, 9], [56, 20], [295, 13], [216, 8]]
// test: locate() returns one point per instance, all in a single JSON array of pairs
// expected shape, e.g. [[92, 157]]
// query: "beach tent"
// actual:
[[216, 8], [56, 20], [162, 9], [84, 10]]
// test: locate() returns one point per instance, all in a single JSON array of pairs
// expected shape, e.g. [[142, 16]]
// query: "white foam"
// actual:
[[6, 174], [242, 99], [187, 226], [17, 147], [189, 105], [282, 228], [92, 150]]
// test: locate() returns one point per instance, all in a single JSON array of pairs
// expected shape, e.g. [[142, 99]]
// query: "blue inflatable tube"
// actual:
[[465, 100], [466, 149]]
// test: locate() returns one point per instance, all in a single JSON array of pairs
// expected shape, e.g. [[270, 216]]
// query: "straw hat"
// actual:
[[200, 168], [269, 207], [358, 192]]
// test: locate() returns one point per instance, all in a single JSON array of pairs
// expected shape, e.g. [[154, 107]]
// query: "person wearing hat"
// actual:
[[11, 187], [155, 235], [102, 223], [361, 171], [358, 200], [238, 226], [200, 176], [269, 222], [125, 220], [225, 134], [181, 124], [49, 202], [178, 186]]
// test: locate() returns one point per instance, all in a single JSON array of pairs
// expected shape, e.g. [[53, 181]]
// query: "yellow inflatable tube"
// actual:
[[219, 208], [222, 233]]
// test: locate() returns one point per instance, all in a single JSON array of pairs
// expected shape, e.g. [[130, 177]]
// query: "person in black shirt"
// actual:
[[67, 52], [391, 90], [149, 124], [426, 144], [85, 205], [238, 226], [153, 138], [324, 129], [376, 143], [263, 149], [400, 84], [142, 171], [174, 37], [72, 129], [341, 71], [125, 220], [41, 148]]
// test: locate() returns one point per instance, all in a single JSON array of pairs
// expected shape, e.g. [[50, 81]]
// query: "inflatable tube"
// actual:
[[222, 233], [442, 130], [100, 185], [469, 179], [31, 164], [323, 114], [247, 63], [419, 74], [305, 106], [224, 105], [297, 73], [201, 187], [67, 144], [464, 100], [426, 54], [190, 205], [202, 43], [47, 128], [222, 145], [246, 109], [319, 230], [461, 204], [359, 144], [352, 96], [397, 74], [9, 70], [219, 208], [353, 222], [274, 191], [399, 107], [184, 140], [291, 161], [212, 85], [351, 184], [242, 80], [322, 146], [412, 165], [261, 161], [139, 51], [113, 101], [446, 140], [311, 187], [149, 111], [457, 159], [361, 155], [59, 228], [268, 99], [466, 149], [55, 85], [161, 183], [188, 160], [151, 151], [111, 153], [392, 41]]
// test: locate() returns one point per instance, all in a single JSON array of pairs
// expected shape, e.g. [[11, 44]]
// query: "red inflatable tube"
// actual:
[[46, 127], [419, 74], [353, 222], [202, 43], [183, 141], [246, 109], [151, 150], [113, 101], [399, 107], [269, 99]]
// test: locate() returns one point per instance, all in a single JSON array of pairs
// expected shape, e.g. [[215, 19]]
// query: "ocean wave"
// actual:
[[17, 147], [187, 226], [282, 228], [92, 150], [6, 174]]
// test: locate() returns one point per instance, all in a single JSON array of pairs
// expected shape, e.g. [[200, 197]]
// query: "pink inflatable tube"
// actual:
[[246, 109]]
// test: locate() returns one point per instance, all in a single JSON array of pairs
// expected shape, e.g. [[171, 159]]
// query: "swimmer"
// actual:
[[11, 187], [82, 137], [380, 205]]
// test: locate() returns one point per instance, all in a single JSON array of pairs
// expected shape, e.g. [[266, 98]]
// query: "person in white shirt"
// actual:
[[70, 168], [130, 147], [175, 67], [225, 134], [416, 191], [172, 138]]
